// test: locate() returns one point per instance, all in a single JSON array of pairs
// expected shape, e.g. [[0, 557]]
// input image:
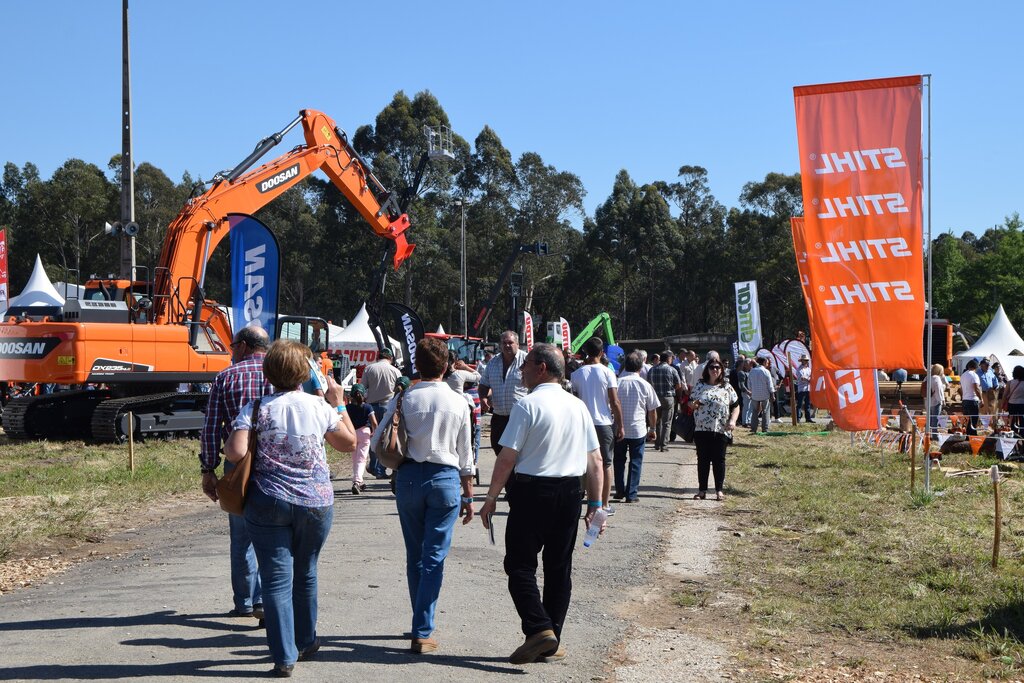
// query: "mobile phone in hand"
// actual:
[[316, 376]]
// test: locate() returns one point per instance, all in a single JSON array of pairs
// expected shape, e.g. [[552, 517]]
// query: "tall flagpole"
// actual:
[[931, 303]]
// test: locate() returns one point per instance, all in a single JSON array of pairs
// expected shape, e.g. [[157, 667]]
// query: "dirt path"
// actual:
[[157, 612]]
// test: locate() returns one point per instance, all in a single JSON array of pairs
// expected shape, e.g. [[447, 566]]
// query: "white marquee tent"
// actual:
[[1000, 341], [357, 343], [38, 291]]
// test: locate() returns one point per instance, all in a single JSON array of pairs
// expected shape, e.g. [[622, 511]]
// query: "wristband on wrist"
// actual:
[[341, 409], [594, 504], [467, 500], [494, 498]]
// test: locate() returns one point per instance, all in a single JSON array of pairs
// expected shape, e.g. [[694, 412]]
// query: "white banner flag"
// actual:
[[528, 330], [1006, 446], [748, 316], [566, 337]]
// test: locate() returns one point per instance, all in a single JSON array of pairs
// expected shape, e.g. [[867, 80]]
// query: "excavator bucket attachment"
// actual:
[[403, 249]]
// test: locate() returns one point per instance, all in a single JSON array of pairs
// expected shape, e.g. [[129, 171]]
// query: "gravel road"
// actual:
[[159, 611]]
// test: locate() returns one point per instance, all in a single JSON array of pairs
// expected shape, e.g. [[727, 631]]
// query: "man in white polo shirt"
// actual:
[[598, 388], [970, 386], [550, 442]]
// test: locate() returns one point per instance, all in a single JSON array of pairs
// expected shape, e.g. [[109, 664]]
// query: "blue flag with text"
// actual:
[[255, 271]]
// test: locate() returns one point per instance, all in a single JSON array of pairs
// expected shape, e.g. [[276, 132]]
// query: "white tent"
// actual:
[[357, 343], [1000, 341], [39, 291]]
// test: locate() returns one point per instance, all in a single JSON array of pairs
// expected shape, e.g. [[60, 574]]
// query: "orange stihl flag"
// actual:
[[861, 170], [976, 442], [850, 395]]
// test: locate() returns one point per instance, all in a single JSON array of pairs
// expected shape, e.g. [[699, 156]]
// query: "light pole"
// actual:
[[463, 309]]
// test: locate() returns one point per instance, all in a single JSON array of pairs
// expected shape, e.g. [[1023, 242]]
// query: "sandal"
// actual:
[[699, 496], [719, 495]]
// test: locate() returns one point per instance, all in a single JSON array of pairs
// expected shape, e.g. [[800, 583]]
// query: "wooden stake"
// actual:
[[999, 523], [913, 455], [131, 442]]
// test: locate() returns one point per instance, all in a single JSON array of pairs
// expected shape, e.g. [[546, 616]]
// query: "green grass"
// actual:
[[54, 493], [835, 542]]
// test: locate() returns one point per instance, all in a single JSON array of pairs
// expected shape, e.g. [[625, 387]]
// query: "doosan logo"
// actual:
[[28, 348], [282, 177], [22, 348]]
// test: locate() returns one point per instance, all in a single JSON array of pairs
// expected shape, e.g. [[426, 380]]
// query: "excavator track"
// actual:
[[167, 415], [63, 415]]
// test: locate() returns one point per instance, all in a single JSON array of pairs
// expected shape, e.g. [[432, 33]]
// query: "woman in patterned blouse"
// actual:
[[716, 408], [290, 505]]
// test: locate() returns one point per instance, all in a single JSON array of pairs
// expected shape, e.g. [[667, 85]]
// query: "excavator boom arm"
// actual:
[[203, 223], [603, 320]]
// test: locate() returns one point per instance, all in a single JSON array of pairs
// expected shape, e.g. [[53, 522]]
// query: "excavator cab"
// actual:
[[313, 332]]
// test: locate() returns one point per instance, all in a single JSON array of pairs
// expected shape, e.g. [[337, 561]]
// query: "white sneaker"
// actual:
[[610, 510], [776, 420]]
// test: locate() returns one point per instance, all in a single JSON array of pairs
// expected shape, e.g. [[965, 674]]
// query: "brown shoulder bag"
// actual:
[[233, 486], [392, 439]]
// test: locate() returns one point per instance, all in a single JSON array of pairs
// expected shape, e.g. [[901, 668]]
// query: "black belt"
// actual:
[[516, 476]]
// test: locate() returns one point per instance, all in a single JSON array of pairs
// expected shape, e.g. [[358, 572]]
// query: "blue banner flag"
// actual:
[[255, 271]]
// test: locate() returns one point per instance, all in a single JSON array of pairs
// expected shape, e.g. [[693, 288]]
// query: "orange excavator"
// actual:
[[126, 345]]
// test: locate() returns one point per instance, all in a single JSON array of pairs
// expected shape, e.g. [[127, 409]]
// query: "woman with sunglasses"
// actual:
[[716, 408]]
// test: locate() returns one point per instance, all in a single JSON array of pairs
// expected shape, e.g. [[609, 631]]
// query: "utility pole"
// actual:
[[126, 229], [463, 309]]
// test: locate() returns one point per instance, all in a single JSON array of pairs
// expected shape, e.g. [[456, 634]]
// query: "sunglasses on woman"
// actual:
[[715, 367]]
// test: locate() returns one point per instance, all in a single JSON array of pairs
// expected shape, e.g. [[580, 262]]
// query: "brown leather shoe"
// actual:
[[422, 646], [558, 656], [540, 644]]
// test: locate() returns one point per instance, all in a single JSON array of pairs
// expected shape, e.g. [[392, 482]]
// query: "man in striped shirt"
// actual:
[[761, 387], [639, 406], [234, 387], [501, 385]]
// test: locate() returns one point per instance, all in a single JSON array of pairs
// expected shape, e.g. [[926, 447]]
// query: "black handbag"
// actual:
[[684, 425]]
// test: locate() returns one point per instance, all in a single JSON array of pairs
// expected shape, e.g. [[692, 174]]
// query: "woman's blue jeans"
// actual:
[[428, 500], [287, 539]]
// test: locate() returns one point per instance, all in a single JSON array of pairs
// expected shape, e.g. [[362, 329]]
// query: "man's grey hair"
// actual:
[[510, 333], [643, 355], [712, 355], [550, 355], [254, 337]]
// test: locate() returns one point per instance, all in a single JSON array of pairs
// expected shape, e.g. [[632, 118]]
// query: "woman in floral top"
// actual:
[[290, 505], [716, 408]]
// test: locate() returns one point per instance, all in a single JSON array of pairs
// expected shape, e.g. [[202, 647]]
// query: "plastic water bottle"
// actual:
[[594, 530]]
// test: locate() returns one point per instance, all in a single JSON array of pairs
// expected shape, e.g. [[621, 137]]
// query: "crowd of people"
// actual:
[[568, 434]]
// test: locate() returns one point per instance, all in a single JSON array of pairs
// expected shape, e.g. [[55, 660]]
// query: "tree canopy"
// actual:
[[659, 255]]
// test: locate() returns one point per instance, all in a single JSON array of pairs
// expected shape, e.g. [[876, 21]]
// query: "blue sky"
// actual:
[[593, 87]]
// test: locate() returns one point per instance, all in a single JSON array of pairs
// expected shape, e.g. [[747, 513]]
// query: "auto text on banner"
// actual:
[[255, 271], [861, 170], [3, 270], [566, 337], [528, 330], [748, 316], [856, 408]]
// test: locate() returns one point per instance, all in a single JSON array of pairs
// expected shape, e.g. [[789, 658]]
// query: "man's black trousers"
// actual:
[[543, 518]]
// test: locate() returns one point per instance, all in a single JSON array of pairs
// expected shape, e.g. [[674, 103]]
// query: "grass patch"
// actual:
[[60, 492], [835, 542]]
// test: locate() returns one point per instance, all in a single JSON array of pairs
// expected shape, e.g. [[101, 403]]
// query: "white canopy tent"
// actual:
[[1000, 341], [357, 344], [38, 291]]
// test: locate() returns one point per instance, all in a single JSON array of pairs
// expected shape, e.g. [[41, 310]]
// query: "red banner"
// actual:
[[850, 395], [528, 330], [861, 170], [3, 271]]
